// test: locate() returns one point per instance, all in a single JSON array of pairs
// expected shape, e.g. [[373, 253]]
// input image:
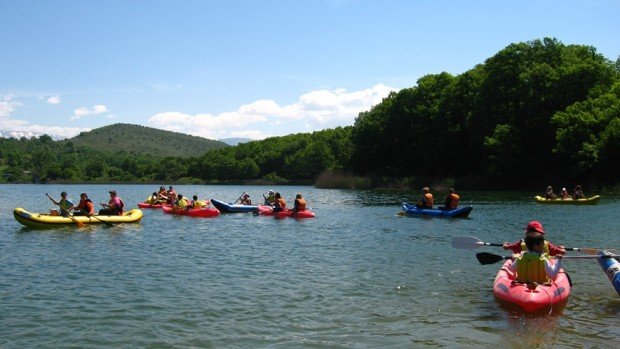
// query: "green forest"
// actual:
[[534, 112]]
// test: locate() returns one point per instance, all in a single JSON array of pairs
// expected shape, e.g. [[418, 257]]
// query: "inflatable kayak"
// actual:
[[44, 220], [559, 201], [611, 267], [531, 300], [233, 208], [412, 210], [147, 205], [193, 212], [264, 210]]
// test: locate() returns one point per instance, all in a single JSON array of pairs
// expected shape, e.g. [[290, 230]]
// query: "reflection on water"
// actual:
[[356, 276]]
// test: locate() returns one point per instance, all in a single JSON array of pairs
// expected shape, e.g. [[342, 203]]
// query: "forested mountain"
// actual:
[[536, 112], [136, 139]]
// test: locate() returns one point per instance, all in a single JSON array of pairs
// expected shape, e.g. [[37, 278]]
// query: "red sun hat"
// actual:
[[535, 226]]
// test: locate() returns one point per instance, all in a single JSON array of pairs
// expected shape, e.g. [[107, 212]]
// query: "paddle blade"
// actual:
[[489, 258], [401, 213], [79, 224], [466, 242]]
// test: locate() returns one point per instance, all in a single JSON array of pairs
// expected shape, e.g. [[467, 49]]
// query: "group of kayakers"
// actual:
[[178, 201], [85, 207], [577, 193], [451, 201], [275, 200]]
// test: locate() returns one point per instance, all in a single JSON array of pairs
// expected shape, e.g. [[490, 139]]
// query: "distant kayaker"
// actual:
[[300, 203], [426, 201], [181, 203], [152, 199], [172, 195], [452, 200], [199, 203], [533, 228], [269, 198], [114, 206], [564, 194], [533, 266], [85, 207], [162, 194], [549, 194], [279, 203], [245, 199], [578, 193]]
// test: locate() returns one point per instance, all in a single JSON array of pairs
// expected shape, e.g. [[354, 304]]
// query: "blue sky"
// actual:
[[254, 69]]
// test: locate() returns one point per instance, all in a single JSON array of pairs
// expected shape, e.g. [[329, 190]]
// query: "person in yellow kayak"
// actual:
[[85, 207], [65, 205], [114, 206], [549, 194], [534, 228], [578, 193], [426, 201], [533, 266]]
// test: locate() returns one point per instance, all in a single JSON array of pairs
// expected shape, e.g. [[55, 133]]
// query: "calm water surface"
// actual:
[[357, 276]]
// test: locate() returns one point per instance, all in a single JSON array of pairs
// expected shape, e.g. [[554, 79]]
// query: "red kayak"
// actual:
[[147, 205], [268, 211], [543, 296], [193, 212]]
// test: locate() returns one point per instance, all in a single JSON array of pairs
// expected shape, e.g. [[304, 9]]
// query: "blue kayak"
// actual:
[[412, 210], [611, 267], [233, 208]]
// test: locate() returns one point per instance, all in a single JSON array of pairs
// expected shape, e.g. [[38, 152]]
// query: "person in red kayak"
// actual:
[[279, 204], [534, 228], [533, 266]]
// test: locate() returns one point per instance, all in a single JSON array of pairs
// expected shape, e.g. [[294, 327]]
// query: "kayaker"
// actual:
[[549, 194], [199, 203], [64, 204], [181, 203], [153, 199], [564, 194], [452, 200], [426, 201], [172, 195], [300, 203], [85, 207], [269, 198], [162, 194], [533, 266], [533, 228], [578, 193], [245, 199], [279, 203], [114, 206]]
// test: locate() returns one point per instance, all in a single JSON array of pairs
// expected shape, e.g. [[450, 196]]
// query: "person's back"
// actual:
[[279, 204], [452, 200], [426, 201], [533, 228], [578, 193], [300, 203], [534, 266]]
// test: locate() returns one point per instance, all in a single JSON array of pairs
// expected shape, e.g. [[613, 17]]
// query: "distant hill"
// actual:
[[144, 140], [235, 141]]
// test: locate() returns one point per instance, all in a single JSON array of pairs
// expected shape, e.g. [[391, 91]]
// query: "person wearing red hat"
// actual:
[[534, 228]]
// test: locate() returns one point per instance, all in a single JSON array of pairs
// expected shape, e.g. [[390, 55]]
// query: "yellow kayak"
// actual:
[[587, 201], [45, 220]]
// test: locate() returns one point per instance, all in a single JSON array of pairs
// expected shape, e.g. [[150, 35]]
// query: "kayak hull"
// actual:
[[264, 210], [543, 297], [46, 221], [587, 201], [233, 208], [611, 267], [207, 212], [412, 210]]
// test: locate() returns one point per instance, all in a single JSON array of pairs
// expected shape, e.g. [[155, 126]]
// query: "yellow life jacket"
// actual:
[[545, 246], [531, 268], [199, 204]]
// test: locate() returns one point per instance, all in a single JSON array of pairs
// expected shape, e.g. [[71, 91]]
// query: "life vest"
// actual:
[[428, 200], [301, 204], [531, 268], [198, 204], [182, 203], [86, 206], [545, 246]]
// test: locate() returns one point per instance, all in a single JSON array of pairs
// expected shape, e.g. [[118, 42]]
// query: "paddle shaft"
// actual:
[[108, 224], [470, 242]]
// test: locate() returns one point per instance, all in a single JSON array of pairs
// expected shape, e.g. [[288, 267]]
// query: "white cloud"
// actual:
[[96, 110], [313, 111], [54, 100], [7, 106]]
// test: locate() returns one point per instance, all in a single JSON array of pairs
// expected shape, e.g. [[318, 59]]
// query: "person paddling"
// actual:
[[533, 266], [426, 201], [64, 204], [114, 207], [85, 207], [533, 228]]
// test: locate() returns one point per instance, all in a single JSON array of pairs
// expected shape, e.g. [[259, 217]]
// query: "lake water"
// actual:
[[357, 276]]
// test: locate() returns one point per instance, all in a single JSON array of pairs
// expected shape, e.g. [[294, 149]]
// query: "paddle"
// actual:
[[78, 223], [238, 199], [490, 258], [107, 224], [471, 242]]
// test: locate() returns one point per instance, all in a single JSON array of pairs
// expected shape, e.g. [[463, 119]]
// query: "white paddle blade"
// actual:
[[466, 242]]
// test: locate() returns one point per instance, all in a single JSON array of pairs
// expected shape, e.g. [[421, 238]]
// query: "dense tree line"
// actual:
[[533, 112]]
